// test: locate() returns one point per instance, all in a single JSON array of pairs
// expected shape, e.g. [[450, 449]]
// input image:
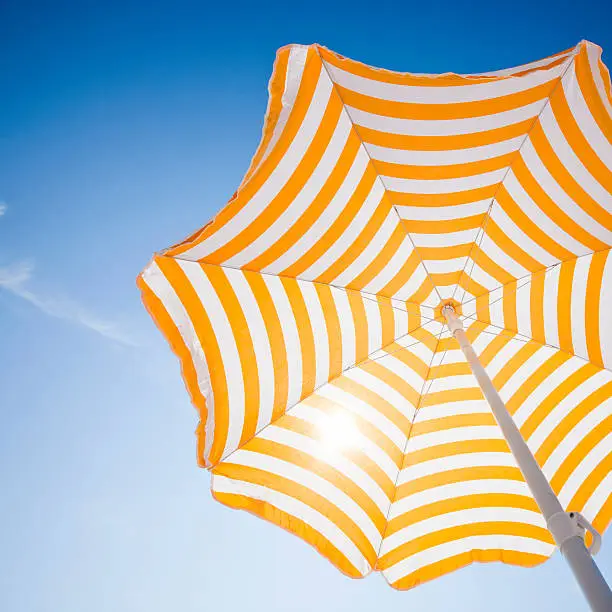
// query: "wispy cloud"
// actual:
[[16, 279], [3, 208]]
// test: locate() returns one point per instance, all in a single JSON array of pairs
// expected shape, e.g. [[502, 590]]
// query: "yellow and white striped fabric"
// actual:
[[307, 314]]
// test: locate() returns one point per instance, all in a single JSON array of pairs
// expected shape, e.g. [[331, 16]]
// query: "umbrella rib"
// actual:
[[371, 161], [423, 393], [481, 230]]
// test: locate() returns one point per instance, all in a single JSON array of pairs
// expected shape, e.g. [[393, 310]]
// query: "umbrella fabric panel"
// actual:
[[252, 345], [460, 496], [314, 208], [563, 305], [326, 470], [442, 146], [555, 203]]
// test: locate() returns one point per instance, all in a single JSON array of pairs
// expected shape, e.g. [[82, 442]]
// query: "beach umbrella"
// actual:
[[397, 333]]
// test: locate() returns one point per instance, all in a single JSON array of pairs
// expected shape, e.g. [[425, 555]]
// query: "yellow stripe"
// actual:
[[564, 305], [445, 112], [593, 305], [452, 534]]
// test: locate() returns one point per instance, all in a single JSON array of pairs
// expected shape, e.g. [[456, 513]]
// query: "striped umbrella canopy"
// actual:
[[307, 314]]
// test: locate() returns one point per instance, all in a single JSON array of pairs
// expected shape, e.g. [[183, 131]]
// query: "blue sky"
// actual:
[[123, 127]]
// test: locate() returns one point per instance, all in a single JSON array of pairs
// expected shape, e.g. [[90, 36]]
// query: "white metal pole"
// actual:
[[562, 525]]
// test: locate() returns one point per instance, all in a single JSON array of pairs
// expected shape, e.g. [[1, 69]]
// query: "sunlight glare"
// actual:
[[338, 432]]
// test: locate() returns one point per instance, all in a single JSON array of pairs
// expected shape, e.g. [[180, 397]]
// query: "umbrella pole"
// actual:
[[566, 528]]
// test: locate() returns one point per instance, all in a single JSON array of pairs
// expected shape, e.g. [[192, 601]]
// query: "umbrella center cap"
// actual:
[[454, 304]]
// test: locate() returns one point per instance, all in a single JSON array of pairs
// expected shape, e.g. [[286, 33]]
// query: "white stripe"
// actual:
[[316, 318], [440, 411], [551, 298], [443, 213], [545, 223], [587, 124], [455, 462], [572, 163], [550, 186], [392, 363], [444, 127], [291, 338], [373, 324], [412, 284], [347, 326], [479, 486], [438, 186], [261, 344], [518, 236], [598, 498], [491, 249], [408, 157], [578, 307], [457, 434], [605, 320], [439, 240]]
